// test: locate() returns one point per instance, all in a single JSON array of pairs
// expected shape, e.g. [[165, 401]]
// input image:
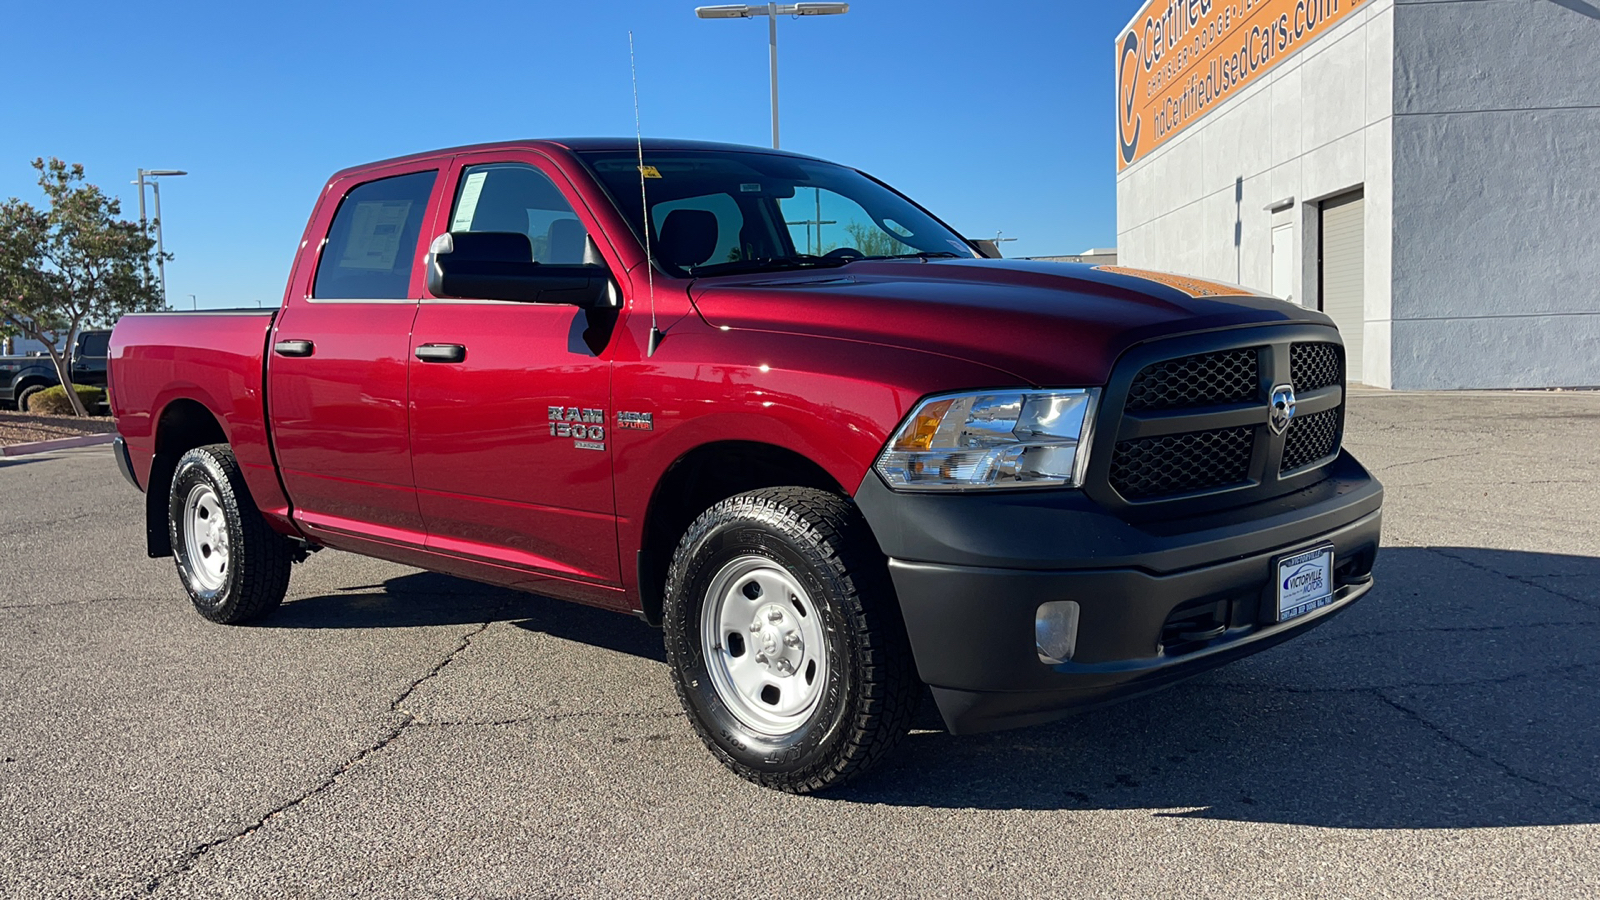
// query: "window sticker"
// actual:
[[750, 188], [470, 190], [375, 231], [650, 171]]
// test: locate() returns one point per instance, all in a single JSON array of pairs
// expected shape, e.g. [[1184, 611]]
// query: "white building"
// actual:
[[1427, 173]]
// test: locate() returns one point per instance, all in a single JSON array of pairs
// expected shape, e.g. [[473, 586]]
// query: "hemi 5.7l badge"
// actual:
[[586, 427], [636, 421]]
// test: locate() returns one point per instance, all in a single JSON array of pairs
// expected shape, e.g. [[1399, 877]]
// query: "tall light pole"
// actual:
[[772, 11], [154, 176]]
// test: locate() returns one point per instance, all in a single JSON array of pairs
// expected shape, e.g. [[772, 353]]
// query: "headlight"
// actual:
[[992, 439]]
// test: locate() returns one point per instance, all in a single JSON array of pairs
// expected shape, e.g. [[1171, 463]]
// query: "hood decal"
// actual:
[[1194, 287]]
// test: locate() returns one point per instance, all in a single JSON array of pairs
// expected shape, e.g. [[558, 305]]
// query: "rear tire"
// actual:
[[233, 565], [26, 394], [785, 640]]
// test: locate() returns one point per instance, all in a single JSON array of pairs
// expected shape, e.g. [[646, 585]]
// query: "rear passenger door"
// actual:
[[340, 352], [510, 401]]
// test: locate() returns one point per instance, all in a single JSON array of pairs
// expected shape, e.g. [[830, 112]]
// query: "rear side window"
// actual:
[[96, 344], [373, 240]]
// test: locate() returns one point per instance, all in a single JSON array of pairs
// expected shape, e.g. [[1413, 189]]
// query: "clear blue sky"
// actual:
[[993, 120]]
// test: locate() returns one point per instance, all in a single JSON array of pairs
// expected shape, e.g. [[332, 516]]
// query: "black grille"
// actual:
[[1205, 379], [1315, 366], [1311, 438], [1179, 463]]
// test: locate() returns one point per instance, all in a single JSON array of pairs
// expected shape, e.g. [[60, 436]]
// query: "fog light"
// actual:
[[1055, 631]]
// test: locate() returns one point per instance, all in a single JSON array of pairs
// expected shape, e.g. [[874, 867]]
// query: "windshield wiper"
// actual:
[[769, 264]]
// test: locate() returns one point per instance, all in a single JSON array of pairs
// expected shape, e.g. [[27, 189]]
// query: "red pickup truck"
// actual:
[[773, 406]]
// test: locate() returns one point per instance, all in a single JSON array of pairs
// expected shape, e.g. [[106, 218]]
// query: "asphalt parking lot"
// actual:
[[393, 733]]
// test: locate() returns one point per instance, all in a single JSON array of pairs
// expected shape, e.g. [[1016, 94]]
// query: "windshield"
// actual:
[[718, 212]]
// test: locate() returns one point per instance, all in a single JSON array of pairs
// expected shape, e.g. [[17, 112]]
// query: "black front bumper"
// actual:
[[1160, 600]]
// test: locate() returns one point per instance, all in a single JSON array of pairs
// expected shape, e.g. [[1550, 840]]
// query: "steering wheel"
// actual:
[[844, 253]]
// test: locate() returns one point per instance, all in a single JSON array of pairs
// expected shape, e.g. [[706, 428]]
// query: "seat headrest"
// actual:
[[566, 242], [688, 237]]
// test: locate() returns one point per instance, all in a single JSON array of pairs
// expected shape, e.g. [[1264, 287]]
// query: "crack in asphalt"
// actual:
[[1483, 755], [36, 527], [547, 717], [1314, 640], [1245, 687], [1413, 484], [1418, 462], [1522, 580], [86, 600], [195, 854]]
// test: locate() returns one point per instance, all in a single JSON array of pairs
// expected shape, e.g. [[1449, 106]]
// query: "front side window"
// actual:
[[718, 212], [372, 242], [517, 198]]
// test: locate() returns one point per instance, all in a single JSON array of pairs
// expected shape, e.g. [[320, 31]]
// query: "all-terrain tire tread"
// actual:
[[263, 560], [889, 689]]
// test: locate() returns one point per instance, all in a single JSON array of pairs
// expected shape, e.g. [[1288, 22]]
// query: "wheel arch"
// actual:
[[696, 481], [183, 425], [27, 381]]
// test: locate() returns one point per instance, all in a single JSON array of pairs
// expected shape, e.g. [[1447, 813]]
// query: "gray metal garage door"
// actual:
[[1344, 273]]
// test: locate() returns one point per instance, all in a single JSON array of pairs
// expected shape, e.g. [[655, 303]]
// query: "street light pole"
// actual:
[[772, 11], [772, 64], [144, 229], [152, 177]]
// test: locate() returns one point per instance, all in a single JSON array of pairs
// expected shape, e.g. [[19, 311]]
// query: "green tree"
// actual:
[[874, 241], [74, 264]]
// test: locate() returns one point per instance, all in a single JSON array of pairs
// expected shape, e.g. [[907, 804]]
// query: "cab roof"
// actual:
[[572, 145]]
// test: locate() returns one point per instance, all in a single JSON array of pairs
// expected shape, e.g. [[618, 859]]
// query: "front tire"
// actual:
[[234, 567], [785, 640]]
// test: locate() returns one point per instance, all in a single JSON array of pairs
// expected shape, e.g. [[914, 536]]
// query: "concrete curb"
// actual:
[[87, 440]]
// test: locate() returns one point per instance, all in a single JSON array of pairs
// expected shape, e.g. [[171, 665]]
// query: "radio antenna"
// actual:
[[644, 204]]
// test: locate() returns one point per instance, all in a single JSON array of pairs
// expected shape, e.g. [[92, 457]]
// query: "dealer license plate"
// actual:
[[1305, 582]]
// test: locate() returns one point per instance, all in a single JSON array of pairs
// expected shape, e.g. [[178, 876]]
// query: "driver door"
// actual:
[[510, 403]]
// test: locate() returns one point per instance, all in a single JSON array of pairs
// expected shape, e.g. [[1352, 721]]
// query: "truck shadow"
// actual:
[[427, 598], [1463, 692]]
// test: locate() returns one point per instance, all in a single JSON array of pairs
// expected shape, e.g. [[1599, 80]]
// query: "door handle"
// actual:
[[293, 348], [441, 352]]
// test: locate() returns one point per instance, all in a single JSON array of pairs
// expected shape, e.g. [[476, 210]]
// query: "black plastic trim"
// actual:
[[1065, 529], [970, 570], [119, 449], [971, 629]]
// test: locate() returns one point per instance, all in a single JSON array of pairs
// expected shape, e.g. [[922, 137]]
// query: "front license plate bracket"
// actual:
[[1304, 582]]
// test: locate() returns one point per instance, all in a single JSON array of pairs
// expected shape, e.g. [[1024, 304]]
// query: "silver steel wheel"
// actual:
[[205, 537], [763, 643]]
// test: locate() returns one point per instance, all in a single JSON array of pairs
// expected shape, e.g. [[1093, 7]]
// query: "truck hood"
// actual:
[[1055, 324]]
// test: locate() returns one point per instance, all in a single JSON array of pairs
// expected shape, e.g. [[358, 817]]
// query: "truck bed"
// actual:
[[185, 363]]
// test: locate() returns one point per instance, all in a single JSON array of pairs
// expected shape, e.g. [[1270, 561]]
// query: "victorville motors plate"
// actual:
[[1305, 582]]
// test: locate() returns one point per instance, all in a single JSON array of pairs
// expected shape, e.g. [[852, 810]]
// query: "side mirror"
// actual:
[[498, 265]]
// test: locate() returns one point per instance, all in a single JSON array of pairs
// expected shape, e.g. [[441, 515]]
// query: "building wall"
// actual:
[[19, 346], [1317, 125], [1496, 194]]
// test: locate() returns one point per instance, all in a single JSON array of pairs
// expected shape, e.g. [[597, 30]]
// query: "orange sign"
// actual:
[[1179, 59]]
